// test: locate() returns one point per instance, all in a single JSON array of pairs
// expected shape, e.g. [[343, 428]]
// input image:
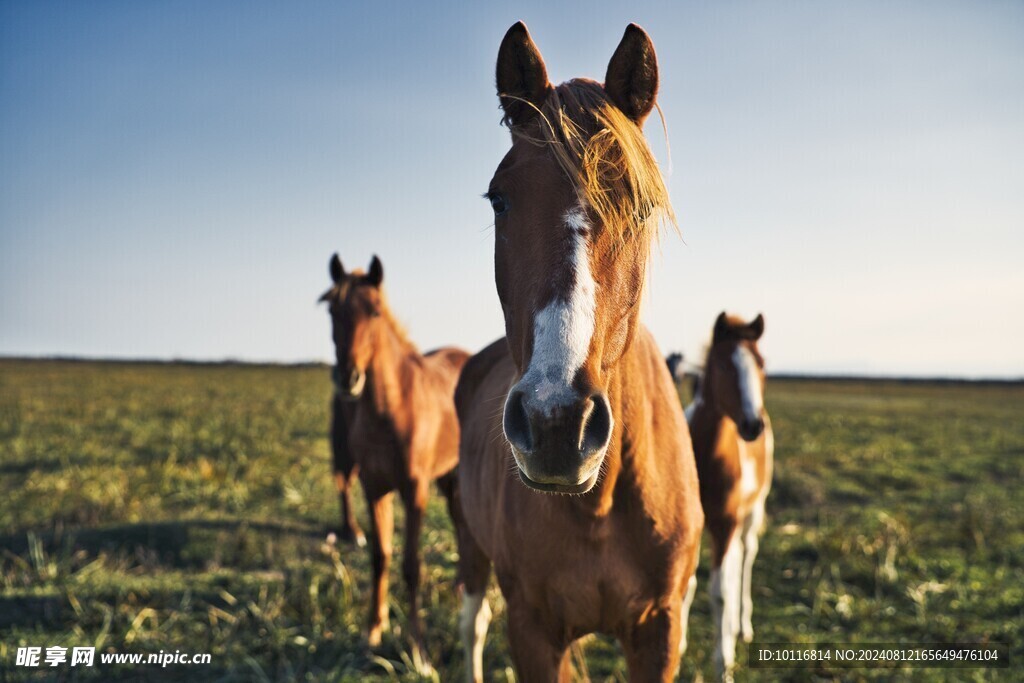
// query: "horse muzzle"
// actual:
[[558, 448], [349, 385]]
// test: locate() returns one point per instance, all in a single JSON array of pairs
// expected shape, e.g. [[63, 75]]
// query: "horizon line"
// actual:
[[784, 374]]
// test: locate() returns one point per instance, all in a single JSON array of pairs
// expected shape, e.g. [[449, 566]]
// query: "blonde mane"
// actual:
[[606, 156]]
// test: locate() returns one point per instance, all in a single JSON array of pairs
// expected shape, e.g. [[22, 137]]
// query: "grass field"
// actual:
[[171, 507]]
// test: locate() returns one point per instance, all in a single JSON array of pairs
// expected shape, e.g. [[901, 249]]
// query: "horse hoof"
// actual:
[[421, 663], [346, 535], [373, 637]]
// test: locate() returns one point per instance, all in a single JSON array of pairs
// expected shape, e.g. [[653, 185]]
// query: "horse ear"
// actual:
[[522, 78], [632, 78], [721, 328], [756, 327], [337, 270], [376, 273]]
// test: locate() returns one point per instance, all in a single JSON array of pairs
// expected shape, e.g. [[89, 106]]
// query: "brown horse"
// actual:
[[402, 431], [590, 413], [733, 443]]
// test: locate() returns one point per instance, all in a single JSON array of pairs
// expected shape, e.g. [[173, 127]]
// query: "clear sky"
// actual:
[[174, 176]]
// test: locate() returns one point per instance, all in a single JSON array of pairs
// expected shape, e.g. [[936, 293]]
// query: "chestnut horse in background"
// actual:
[[402, 431], [734, 445], [582, 491]]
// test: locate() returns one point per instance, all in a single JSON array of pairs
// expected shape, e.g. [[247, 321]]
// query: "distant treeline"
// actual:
[[783, 376], [185, 362], [896, 379]]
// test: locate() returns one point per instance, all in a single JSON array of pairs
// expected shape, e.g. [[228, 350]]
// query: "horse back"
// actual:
[[447, 360], [429, 400]]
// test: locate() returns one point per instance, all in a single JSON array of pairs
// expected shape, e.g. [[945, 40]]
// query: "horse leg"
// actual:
[[475, 615], [474, 618], [474, 572], [383, 524], [751, 531], [349, 530], [448, 485], [537, 653], [415, 500], [726, 583], [652, 647], [345, 471], [691, 591]]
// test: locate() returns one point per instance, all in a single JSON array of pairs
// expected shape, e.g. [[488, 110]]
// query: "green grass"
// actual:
[[163, 507]]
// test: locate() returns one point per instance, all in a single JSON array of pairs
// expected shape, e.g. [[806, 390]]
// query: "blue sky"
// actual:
[[174, 176]]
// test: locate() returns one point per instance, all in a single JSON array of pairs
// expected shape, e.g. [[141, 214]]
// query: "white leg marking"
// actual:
[[473, 622], [725, 606], [749, 373], [751, 530], [691, 590], [562, 331]]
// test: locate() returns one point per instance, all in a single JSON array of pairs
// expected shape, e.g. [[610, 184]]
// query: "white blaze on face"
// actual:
[[562, 331], [749, 374]]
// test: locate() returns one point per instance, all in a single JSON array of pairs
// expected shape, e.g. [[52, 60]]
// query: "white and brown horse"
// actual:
[[576, 476], [733, 444], [397, 415]]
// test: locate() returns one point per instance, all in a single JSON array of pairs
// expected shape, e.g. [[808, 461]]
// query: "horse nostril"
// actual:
[[517, 423], [751, 429], [597, 426], [356, 380]]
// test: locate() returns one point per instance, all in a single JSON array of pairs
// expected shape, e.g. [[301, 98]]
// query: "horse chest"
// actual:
[[748, 484], [590, 579], [375, 445]]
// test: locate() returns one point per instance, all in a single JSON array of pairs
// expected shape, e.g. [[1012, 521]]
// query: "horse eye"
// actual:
[[499, 204]]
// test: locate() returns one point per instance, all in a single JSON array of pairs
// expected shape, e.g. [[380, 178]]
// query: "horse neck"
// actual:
[[707, 420], [704, 400], [628, 458], [394, 360]]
